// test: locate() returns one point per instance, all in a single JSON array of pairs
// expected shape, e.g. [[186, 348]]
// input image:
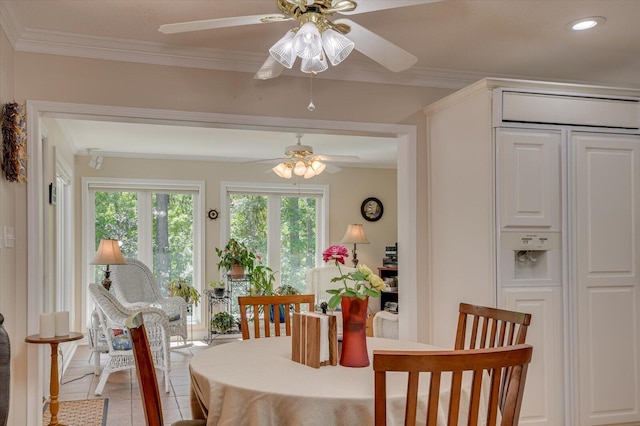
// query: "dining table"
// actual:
[[255, 382]]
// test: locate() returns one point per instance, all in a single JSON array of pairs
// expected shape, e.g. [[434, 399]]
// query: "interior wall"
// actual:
[[13, 281]]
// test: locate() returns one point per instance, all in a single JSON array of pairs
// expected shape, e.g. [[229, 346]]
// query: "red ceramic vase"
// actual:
[[354, 332]]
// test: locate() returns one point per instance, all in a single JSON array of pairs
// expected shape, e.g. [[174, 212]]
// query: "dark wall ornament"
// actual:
[[213, 214], [371, 209], [14, 142]]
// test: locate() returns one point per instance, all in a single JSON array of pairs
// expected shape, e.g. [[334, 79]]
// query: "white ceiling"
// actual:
[[456, 41]]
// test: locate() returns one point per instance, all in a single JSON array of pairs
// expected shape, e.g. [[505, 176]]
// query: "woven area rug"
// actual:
[[84, 412]]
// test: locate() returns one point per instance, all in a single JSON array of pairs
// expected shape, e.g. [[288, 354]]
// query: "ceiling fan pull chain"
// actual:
[[311, 106]]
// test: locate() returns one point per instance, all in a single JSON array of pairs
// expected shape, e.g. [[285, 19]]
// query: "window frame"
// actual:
[[197, 188], [278, 189]]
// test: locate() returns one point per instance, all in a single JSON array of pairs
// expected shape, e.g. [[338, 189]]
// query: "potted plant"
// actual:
[[219, 288], [261, 280], [235, 258], [222, 322], [180, 287], [286, 289]]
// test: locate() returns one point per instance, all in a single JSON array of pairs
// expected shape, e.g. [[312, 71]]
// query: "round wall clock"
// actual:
[[371, 209]]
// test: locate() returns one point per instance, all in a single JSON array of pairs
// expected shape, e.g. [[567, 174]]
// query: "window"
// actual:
[[283, 224], [156, 222]]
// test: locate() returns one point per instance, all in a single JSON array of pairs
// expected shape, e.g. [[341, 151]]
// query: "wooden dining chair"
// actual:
[[485, 327], [266, 309], [472, 362], [147, 375]]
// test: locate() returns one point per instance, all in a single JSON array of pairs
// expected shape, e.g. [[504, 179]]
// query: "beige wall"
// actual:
[[27, 76], [13, 288]]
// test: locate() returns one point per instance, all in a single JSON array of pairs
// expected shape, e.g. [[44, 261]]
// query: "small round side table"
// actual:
[[54, 386]]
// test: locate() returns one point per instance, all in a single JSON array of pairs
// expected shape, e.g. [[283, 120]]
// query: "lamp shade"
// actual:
[[355, 235], [315, 64], [283, 50], [336, 46], [108, 254], [308, 42], [283, 170]]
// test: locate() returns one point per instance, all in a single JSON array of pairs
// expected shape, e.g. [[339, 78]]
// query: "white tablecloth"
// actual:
[[255, 382]]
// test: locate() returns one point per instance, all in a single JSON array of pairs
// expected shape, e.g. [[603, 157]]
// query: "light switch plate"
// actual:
[[9, 237]]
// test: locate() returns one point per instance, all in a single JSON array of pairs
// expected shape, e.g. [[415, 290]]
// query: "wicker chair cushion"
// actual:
[[120, 339]]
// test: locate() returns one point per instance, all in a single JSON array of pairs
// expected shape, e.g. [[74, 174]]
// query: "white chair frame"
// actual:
[[113, 316], [134, 285]]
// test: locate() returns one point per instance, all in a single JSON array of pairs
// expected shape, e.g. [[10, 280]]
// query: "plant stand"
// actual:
[[228, 302]]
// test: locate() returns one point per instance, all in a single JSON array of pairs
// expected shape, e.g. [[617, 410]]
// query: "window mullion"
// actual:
[[274, 232], [145, 228]]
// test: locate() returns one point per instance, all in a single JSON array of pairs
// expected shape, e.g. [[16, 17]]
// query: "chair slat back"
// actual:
[[490, 328], [262, 307], [474, 362], [145, 371]]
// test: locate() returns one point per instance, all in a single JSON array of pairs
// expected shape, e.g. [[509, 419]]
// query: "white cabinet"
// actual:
[[513, 162], [528, 163], [607, 271]]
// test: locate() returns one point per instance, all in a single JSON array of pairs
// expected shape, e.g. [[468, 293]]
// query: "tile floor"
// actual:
[[125, 407]]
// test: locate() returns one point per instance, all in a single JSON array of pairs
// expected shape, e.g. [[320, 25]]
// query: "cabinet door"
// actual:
[[543, 402], [529, 178], [606, 218]]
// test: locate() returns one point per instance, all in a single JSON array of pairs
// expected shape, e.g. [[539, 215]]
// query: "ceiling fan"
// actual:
[[300, 160], [317, 37]]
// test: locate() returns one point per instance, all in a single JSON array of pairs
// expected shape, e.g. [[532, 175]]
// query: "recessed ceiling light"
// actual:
[[586, 23]]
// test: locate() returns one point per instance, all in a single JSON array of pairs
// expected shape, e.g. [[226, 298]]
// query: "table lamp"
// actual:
[[355, 235], [108, 254]]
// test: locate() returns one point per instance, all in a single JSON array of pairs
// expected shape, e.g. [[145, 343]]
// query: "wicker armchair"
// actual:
[[135, 286], [113, 316]]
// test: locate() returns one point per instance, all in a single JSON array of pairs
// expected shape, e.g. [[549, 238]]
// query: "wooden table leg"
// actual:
[[54, 386]]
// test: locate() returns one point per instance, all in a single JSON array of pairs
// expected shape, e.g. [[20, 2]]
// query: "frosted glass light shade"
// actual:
[[309, 173], [336, 46], [317, 64], [283, 51], [282, 170], [300, 169], [307, 43], [318, 167]]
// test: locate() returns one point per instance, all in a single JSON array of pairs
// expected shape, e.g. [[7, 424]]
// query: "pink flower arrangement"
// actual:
[[366, 283]]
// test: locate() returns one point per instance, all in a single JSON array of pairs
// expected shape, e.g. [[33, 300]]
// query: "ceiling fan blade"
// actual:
[[270, 69], [379, 49], [209, 24], [339, 158], [333, 169], [365, 6]]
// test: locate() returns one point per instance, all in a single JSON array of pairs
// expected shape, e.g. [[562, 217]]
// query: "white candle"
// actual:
[[62, 323], [47, 326]]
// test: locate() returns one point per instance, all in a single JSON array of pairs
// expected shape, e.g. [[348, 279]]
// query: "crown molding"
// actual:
[[9, 22]]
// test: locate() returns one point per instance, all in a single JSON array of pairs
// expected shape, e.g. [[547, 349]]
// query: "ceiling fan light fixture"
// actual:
[[300, 168], [317, 64], [283, 50], [318, 167], [283, 170], [309, 173], [307, 42], [336, 46]]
